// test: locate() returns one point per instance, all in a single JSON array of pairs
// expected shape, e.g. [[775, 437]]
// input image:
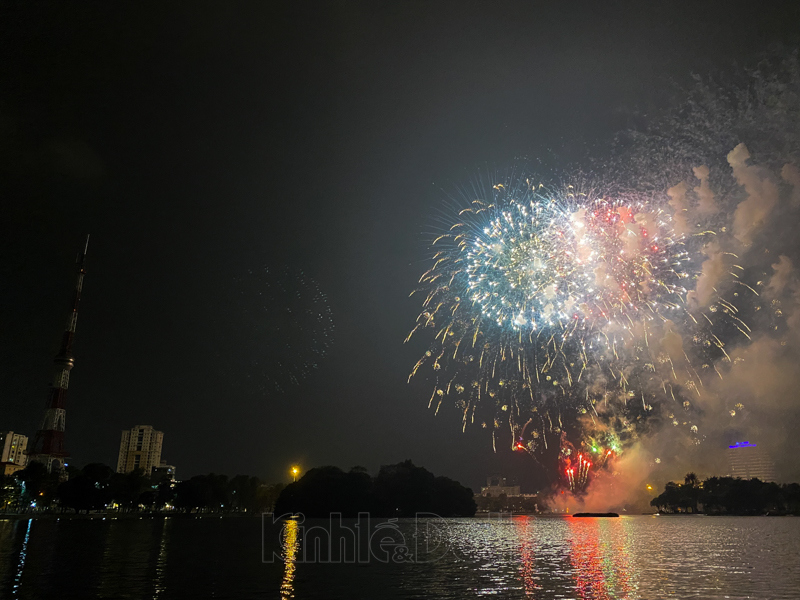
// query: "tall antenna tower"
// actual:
[[48, 446]]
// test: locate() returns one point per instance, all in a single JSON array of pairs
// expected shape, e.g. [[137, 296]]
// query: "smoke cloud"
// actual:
[[680, 206], [752, 214], [706, 205], [713, 271]]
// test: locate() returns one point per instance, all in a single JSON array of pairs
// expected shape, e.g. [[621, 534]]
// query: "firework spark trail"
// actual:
[[578, 474], [535, 295]]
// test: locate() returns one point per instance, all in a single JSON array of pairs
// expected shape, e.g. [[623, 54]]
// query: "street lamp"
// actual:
[[295, 471]]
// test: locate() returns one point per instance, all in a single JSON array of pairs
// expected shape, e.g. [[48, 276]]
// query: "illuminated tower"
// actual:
[[48, 446]]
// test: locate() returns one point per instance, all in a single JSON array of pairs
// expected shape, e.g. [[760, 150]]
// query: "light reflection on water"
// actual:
[[522, 557], [23, 554], [290, 548], [527, 554], [629, 557], [161, 564], [599, 560]]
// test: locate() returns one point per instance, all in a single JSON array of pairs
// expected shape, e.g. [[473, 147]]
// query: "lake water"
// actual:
[[646, 557]]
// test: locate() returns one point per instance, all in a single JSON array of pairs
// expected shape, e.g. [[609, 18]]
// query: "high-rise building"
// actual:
[[749, 461], [140, 448], [48, 445], [13, 446]]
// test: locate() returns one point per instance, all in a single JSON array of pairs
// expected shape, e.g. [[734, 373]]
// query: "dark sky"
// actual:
[[198, 141]]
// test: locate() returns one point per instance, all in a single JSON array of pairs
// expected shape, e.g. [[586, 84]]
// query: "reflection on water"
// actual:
[[599, 558], [586, 557], [161, 564], [23, 554], [527, 555], [133, 553], [521, 557], [291, 545], [603, 559]]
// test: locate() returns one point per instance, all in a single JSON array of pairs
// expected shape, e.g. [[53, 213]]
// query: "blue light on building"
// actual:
[[743, 445], [750, 461]]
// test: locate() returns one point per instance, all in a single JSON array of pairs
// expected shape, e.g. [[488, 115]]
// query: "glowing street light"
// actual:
[[295, 472]]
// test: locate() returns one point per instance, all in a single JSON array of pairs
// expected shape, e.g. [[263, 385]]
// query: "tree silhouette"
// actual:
[[727, 495], [401, 490]]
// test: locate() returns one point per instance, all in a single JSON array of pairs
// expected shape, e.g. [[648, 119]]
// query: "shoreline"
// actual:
[[119, 516], [181, 515]]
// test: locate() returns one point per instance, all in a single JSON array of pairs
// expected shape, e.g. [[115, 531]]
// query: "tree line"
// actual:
[[728, 496], [400, 490], [97, 487]]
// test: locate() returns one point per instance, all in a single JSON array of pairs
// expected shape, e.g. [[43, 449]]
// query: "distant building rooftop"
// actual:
[[497, 485]]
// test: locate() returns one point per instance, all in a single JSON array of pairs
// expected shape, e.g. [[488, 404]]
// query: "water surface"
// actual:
[[522, 557]]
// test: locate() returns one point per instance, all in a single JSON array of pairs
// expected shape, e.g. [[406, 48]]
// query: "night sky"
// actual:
[[202, 142]]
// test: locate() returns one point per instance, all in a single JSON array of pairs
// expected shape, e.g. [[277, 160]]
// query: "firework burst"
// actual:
[[543, 300]]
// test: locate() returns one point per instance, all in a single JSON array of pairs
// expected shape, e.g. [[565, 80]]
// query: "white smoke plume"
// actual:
[[680, 206], [762, 196], [713, 271], [706, 204]]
